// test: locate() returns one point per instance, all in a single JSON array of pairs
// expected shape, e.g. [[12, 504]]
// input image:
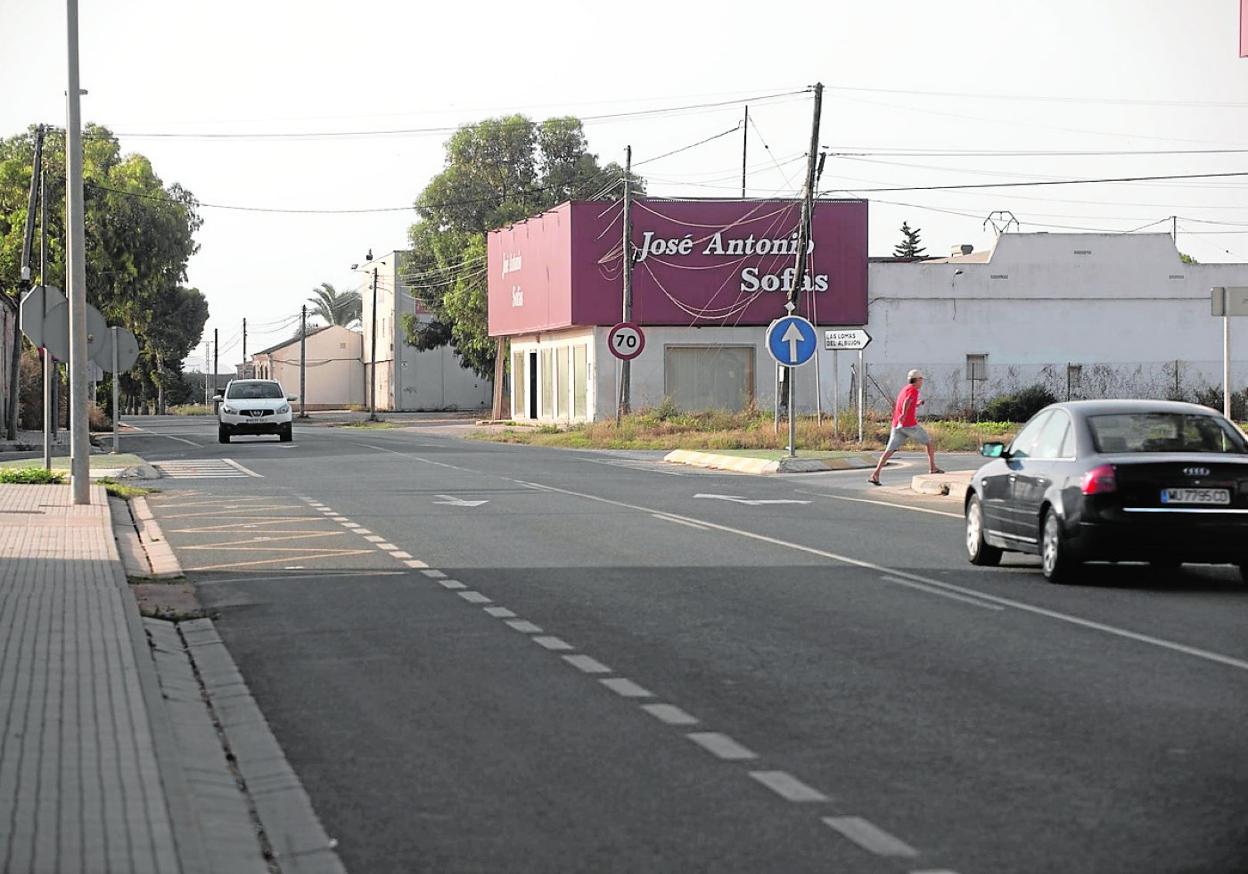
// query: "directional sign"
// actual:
[[626, 340], [36, 304], [1230, 301], [846, 338], [56, 333], [792, 340], [453, 501], [751, 502], [127, 350]]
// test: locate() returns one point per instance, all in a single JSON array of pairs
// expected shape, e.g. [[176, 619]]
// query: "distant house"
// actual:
[[333, 368]]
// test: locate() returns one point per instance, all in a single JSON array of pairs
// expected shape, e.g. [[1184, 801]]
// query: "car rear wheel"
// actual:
[[1056, 562], [978, 551], [223, 434]]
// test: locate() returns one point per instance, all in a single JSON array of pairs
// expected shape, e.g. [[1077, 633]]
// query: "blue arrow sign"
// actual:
[[792, 340]]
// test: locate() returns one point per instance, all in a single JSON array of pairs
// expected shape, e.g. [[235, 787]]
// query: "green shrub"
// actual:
[[31, 476], [1020, 406], [1212, 397]]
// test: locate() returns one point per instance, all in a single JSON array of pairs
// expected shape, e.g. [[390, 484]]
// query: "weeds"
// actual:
[[126, 492], [32, 476]]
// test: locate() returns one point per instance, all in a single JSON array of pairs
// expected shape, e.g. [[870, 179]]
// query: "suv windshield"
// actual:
[[254, 391], [1164, 432]]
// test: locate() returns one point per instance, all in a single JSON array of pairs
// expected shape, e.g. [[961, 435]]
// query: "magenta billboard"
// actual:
[[695, 263]]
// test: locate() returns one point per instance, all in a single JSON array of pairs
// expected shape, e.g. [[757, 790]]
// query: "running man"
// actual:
[[906, 426]]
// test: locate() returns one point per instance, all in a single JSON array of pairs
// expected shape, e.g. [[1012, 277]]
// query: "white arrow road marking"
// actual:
[[751, 502], [453, 501], [792, 336]]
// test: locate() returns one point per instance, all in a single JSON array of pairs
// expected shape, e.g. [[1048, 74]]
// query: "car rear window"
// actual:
[[1164, 432], [254, 391]]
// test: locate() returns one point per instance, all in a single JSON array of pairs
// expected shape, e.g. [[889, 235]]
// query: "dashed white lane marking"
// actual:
[[552, 643], [504, 613], [524, 626], [586, 664], [373, 538], [721, 746], [434, 575], [687, 524], [234, 464], [339, 518], [451, 584], [474, 597], [352, 525], [932, 590], [885, 504], [362, 531], [670, 714], [398, 553], [387, 547], [415, 562], [870, 837], [934, 871], [787, 786], [627, 688]]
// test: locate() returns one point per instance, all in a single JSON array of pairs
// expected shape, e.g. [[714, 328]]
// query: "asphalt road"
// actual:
[[543, 660]]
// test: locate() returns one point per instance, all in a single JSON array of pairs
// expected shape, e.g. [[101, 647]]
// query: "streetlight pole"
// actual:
[[80, 470], [372, 382]]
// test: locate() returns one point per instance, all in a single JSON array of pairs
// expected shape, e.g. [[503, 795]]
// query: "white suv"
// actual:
[[254, 406]]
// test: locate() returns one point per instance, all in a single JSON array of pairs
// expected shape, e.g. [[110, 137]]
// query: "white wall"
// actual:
[[334, 374]]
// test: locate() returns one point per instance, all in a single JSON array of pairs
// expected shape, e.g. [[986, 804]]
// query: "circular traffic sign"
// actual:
[[626, 340], [792, 340]]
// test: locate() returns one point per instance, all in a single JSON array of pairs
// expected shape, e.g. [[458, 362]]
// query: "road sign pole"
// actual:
[[116, 396], [818, 390], [792, 417], [775, 393], [836, 395], [80, 476], [862, 393]]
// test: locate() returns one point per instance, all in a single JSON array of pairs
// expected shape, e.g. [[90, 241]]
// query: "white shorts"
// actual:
[[899, 436]]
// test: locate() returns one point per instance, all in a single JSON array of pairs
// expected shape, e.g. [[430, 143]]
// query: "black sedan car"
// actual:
[[1113, 480]]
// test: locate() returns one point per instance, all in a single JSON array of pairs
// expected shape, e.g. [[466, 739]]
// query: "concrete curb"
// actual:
[[744, 464], [165, 564], [952, 484], [133, 556]]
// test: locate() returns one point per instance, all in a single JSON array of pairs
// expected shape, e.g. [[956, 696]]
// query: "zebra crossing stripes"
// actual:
[[204, 468]]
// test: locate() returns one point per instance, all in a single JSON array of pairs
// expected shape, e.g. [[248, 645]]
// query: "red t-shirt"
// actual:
[[902, 417]]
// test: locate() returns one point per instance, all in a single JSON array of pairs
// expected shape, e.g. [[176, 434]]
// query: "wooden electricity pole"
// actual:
[[626, 365]]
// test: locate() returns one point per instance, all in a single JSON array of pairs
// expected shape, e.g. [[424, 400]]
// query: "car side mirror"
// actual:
[[993, 450], [217, 398], [292, 397]]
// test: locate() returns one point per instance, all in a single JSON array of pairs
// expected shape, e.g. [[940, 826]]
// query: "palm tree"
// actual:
[[333, 307]]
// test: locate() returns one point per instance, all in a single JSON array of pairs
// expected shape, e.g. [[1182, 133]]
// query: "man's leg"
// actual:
[[875, 475], [931, 457]]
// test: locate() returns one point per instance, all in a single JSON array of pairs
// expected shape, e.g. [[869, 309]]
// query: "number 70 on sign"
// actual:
[[626, 340]]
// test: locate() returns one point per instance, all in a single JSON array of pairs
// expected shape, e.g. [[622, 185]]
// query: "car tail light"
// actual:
[[1099, 481]]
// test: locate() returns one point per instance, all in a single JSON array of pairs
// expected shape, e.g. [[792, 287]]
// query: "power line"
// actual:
[[731, 130], [1125, 101], [884, 152], [1033, 183]]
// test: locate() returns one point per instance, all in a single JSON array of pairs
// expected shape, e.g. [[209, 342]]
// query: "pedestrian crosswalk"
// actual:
[[203, 468]]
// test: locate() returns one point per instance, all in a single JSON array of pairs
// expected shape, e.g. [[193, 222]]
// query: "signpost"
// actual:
[[626, 340], [846, 338], [792, 341], [1228, 301]]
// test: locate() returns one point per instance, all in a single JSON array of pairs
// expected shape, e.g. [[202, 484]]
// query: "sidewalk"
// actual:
[[126, 745]]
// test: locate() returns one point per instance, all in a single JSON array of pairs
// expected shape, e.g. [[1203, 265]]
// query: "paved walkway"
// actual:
[[80, 786]]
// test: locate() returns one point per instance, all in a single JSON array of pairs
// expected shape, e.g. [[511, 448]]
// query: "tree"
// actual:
[[334, 307], [1187, 259], [139, 238], [498, 171], [910, 247]]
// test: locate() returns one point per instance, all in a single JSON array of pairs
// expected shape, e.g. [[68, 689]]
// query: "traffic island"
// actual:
[[953, 485], [761, 461]]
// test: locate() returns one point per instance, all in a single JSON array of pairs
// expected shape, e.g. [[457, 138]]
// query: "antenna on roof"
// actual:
[[1001, 219]]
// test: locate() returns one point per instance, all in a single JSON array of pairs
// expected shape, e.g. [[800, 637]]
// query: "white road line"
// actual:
[[352, 525], [504, 613], [451, 584], [670, 714], [398, 553], [934, 871], [871, 837], [524, 626], [373, 538], [159, 434], [474, 597], [387, 547], [788, 787], [552, 643], [1090, 624], [433, 575], [638, 466], [923, 587], [339, 518], [586, 664], [359, 530], [664, 518], [234, 464], [414, 562], [721, 746], [895, 506], [626, 688]]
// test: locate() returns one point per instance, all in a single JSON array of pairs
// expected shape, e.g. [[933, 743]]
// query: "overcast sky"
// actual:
[[1045, 76]]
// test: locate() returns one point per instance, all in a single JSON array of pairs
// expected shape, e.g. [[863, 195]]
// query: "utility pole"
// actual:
[[49, 363], [244, 348], [15, 364], [216, 361], [207, 367], [745, 145], [803, 236], [80, 447], [303, 351], [1174, 229], [372, 355], [626, 366], [116, 396]]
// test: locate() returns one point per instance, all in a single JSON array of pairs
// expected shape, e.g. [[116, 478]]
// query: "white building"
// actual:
[[333, 372], [407, 378]]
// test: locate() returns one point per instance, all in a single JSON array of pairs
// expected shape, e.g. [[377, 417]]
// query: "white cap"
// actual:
[[915, 374]]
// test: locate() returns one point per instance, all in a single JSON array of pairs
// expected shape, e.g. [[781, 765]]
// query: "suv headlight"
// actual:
[[284, 408], [227, 409]]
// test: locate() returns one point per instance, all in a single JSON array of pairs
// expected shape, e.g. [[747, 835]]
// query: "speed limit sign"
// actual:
[[626, 340]]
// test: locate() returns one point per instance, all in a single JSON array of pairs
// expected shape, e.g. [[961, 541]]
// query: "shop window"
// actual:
[[977, 367], [564, 390], [580, 382], [546, 374], [518, 383], [709, 377]]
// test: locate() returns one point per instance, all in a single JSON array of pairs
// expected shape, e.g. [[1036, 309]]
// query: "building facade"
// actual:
[[333, 371], [407, 379]]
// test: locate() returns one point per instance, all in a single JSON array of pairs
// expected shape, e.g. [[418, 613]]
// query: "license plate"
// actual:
[[1195, 496], [258, 421]]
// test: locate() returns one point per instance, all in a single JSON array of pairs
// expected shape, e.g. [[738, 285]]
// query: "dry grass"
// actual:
[[664, 428]]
